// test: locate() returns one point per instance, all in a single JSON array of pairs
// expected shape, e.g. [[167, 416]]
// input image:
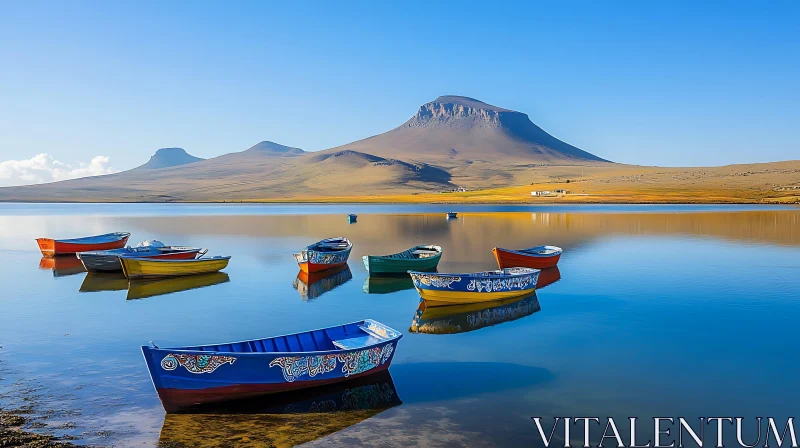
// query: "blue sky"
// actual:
[[654, 83]]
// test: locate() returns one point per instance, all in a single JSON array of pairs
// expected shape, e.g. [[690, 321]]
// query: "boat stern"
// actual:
[[94, 262], [47, 246]]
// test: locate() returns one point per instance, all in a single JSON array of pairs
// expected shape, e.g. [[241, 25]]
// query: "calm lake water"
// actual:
[[654, 311]]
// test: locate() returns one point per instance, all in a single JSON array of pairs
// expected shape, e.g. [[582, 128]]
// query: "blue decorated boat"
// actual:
[[187, 376], [454, 289]]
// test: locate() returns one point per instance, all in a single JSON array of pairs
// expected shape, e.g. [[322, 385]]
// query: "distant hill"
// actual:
[[267, 147], [168, 157]]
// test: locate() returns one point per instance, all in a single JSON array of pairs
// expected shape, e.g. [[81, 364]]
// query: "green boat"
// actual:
[[418, 258]]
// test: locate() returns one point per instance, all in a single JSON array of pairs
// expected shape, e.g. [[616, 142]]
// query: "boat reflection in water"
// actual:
[[387, 284], [548, 277], [104, 281], [62, 265], [143, 288], [315, 284], [473, 316], [284, 419]]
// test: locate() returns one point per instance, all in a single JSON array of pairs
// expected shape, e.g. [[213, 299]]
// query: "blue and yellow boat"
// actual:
[[454, 289]]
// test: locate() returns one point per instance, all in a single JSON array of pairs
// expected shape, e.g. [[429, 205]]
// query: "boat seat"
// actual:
[[356, 342], [422, 253]]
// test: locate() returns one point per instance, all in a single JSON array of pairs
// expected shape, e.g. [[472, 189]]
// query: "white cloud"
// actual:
[[44, 168]]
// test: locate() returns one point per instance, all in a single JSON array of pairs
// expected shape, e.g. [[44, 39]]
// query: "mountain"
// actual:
[[457, 127], [167, 157], [272, 148], [450, 142]]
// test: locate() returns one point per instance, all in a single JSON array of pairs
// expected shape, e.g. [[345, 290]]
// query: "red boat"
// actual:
[[323, 255], [51, 247], [539, 257]]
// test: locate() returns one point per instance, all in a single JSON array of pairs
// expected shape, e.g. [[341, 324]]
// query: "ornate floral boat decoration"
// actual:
[[324, 255], [473, 316], [453, 289], [187, 376], [108, 260], [315, 284], [134, 267], [539, 257], [417, 258], [51, 247]]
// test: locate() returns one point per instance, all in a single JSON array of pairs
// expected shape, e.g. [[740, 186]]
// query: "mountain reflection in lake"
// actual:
[[612, 331]]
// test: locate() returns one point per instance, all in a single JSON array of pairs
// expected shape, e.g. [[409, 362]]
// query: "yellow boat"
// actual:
[[154, 268]]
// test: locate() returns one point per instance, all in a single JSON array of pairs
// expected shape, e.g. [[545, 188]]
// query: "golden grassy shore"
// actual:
[[777, 182], [761, 183]]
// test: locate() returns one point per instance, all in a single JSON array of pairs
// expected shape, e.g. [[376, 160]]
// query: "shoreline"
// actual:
[[357, 202], [14, 432]]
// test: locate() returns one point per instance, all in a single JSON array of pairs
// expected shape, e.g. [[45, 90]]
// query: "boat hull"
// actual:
[[50, 247], [310, 268], [318, 258], [187, 378], [135, 268], [176, 400], [454, 289], [108, 262], [440, 298], [381, 265], [511, 259]]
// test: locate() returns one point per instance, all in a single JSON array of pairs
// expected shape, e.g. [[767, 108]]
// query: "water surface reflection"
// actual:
[[285, 419], [619, 319], [314, 284]]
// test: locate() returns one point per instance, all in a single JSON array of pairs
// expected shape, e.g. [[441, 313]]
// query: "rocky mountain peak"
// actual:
[[459, 112]]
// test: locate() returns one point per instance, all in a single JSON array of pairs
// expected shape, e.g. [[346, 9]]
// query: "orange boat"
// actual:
[[51, 247], [323, 255], [539, 257]]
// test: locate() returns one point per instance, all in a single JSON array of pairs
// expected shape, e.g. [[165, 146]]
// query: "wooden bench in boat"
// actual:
[[358, 341]]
